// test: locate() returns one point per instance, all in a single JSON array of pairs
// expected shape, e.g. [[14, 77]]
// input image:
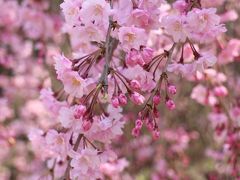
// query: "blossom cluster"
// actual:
[[106, 102]]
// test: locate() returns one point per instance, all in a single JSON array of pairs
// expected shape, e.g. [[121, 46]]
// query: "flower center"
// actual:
[[75, 82], [177, 26], [59, 140], [130, 37], [98, 10]]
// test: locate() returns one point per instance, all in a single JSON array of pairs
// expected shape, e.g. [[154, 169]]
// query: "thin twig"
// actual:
[[110, 46], [75, 148]]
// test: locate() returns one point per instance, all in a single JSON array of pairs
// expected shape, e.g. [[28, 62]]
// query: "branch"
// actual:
[[110, 45], [169, 55], [76, 145]]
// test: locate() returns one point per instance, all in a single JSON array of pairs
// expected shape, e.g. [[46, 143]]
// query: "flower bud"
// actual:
[[156, 100], [79, 111], [170, 104], [138, 123], [122, 99], [137, 98], [115, 102], [135, 84], [150, 125], [156, 134], [135, 132], [172, 89], [87, 124], [220, 91]]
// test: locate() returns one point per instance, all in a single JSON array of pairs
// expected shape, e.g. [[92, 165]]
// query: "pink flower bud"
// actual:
[[79, 111], [170, 104], [156, 134], [115, 102], [156, 99], [147, 54], [87, 124], [220, 91], [138, 124], [137, 98], [150, 125], [180, 5], [172, 89], [135, 84], [156, 112], [133, 57], [135, 132], [122, 99]]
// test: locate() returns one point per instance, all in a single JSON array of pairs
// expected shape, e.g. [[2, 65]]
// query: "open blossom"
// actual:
[[74, 84], [184, 69], [62, 64], [149, 4], [131, 37], [66, 117], [174, 26], [96, 12], [113, 169], [142, 16], [71, 11], [230, 52], [205, 61], [203, 24], [104, 129], [87, 33], [203, 96], [84, 162], [57, 143]]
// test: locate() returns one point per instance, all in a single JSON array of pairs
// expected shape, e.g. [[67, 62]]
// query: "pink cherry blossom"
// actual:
[[84, 162], [95, 11], [131, 37], [175, 27]]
